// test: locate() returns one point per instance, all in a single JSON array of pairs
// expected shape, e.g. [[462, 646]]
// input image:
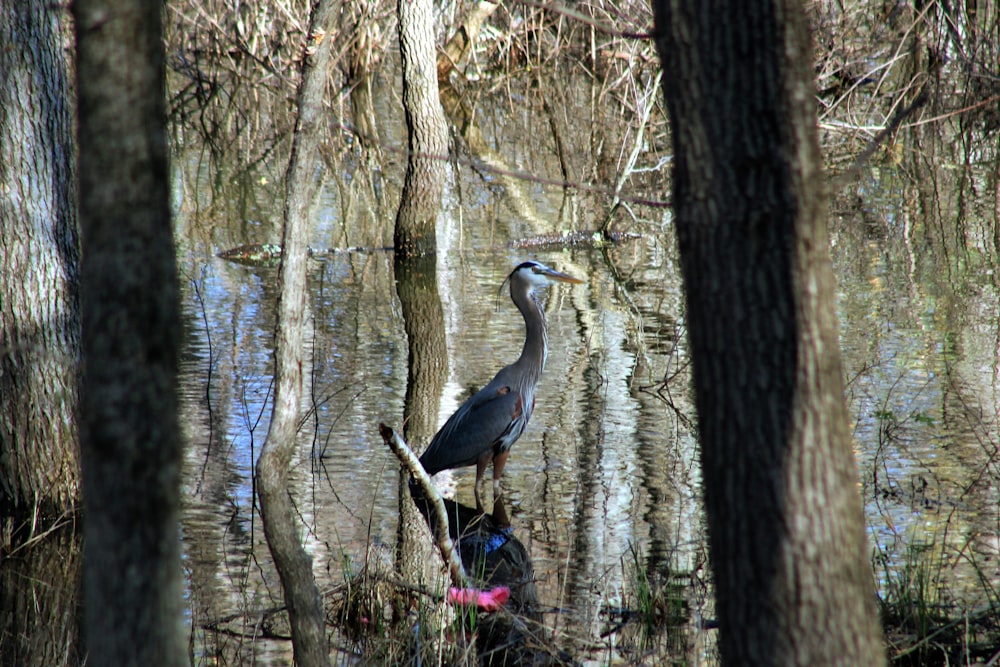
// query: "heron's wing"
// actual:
[[484, 420]]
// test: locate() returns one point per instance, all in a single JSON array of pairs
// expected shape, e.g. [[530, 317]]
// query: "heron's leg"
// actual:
[[499, 461], [481, 465]]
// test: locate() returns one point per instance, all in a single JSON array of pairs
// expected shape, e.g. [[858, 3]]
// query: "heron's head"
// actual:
[[529, 276]]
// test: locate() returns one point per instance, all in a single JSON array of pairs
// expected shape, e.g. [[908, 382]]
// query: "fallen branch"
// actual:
[[438, 512]]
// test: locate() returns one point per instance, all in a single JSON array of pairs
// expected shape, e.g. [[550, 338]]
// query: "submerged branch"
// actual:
[[440, 516]]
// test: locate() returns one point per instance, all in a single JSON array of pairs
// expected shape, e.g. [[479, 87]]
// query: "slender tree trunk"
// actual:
[[426, 128], [39, 262], [131, 442], [281, 521], [784, 514]]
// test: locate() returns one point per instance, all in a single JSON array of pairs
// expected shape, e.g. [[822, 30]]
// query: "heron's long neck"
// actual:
[[536, 340]]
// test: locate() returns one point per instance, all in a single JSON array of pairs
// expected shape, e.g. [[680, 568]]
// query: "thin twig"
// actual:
[[646, 103]]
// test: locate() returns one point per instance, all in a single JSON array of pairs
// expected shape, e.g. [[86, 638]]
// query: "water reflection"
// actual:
[[920, 335], [609, 463], [575, 495], [40, 599], [604, 485], [427, 365]]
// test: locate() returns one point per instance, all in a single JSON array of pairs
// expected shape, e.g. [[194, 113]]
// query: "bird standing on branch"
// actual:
[[483, 429]]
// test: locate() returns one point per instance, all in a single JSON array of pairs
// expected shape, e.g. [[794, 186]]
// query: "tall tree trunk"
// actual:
[[130, 439], [426, 128], [415, 241], [302, 597], [784, 514], [39, 262]]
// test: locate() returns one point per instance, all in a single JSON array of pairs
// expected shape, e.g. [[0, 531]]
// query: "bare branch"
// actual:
[[438, 512]]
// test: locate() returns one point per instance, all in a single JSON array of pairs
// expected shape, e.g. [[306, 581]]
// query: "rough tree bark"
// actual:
[[39, 339], [302, 597], [39, 262], [130, 439], [784, 514], [427, 132]]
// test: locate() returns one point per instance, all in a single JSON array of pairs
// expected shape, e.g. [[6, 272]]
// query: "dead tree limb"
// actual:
[[439, 515]]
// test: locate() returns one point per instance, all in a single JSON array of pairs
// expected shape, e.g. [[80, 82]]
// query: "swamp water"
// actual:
[[603, 488]]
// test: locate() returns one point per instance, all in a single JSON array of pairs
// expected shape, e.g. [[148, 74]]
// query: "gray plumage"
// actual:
[[485, 427]]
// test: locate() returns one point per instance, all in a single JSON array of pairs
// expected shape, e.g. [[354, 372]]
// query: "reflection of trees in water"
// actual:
[[584, 578], [917, 248], [944, 232], [954, 240], [427, 370]]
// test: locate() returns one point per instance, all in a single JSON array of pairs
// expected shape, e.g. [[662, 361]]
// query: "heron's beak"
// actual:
[[557, 275]]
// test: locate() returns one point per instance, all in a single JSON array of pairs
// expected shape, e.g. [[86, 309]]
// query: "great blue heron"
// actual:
[[483, 429]]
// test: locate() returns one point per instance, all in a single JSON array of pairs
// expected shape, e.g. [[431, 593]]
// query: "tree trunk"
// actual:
[[130, 439], [39, 260], [427, 132], [784, 515], [302, 597], [415, 241]]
